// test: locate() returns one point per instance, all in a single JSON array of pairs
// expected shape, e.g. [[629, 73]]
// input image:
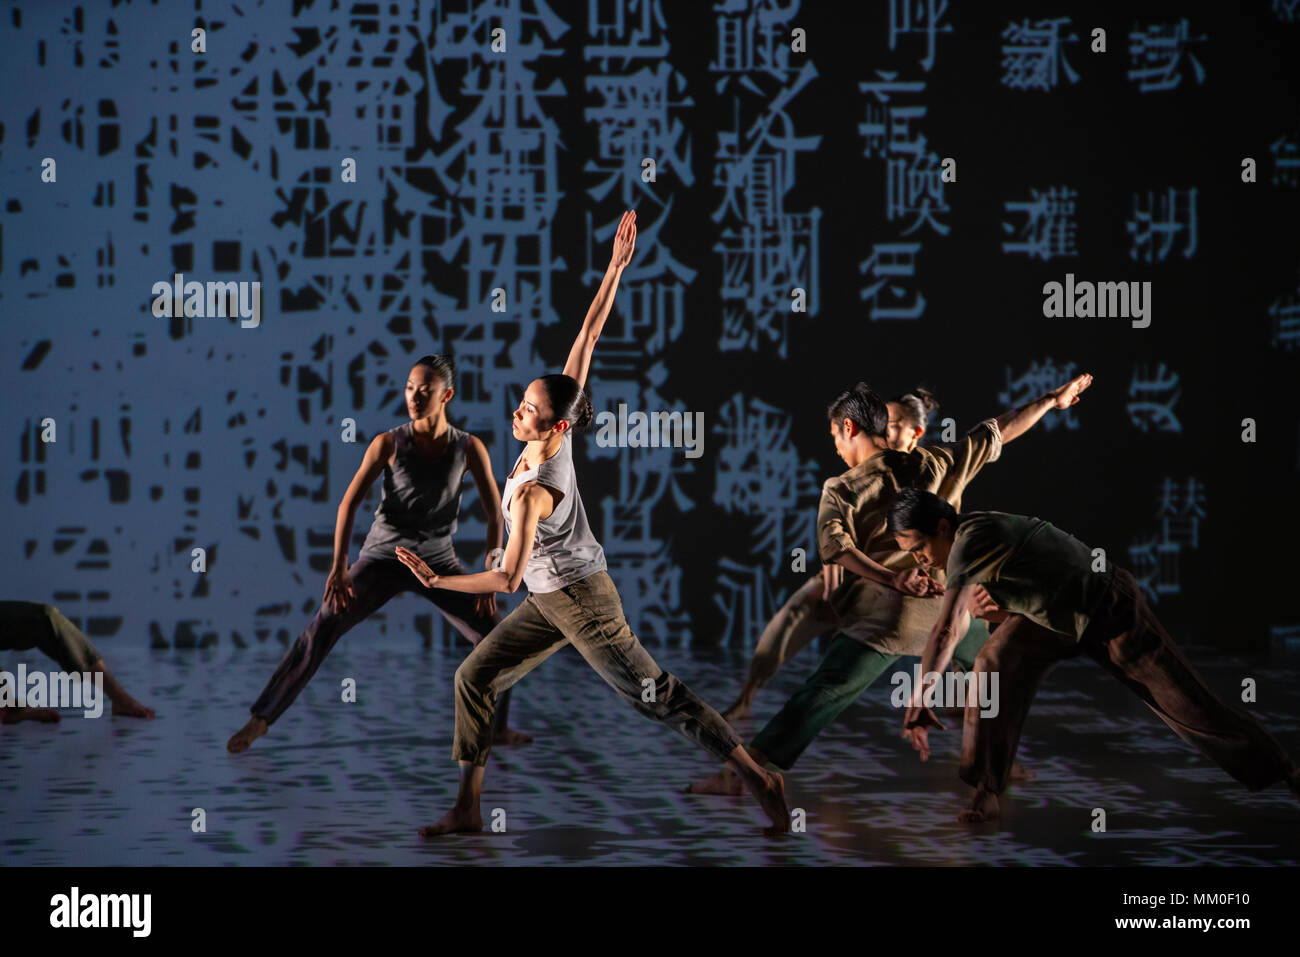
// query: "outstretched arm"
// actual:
[[526, 508], [954, 620], [1017, 422], [580, 355]]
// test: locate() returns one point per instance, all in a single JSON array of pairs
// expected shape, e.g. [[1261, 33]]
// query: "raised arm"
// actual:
[[580, 355], [1016, 422]]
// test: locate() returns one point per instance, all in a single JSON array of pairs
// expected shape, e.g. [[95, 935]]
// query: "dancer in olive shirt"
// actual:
[[891, 607], [1055, 601], [810, 609]]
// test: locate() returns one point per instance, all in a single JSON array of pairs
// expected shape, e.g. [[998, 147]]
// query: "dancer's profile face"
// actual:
[[842, 436], [930, 550], [531, 421], [900, 434], [426, 393]]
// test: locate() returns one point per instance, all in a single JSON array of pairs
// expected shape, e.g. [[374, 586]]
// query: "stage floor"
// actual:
[[337, 783]]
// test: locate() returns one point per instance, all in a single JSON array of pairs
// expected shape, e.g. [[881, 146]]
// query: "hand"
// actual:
[[338, 589], [485, 605], [1068, 394], [982, 605], [624, 240], [916, 729], [418, 567], [916, 582]]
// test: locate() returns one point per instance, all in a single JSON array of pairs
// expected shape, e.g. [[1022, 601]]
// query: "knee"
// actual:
[[468, 682]]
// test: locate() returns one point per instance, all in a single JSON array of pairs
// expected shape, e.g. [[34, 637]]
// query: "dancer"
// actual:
[[809, 612], [30, 624], [571, 597], [1056, 601], [890, 609], [423, 463]]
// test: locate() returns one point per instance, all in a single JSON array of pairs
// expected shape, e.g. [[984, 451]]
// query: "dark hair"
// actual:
[[864, 407], [918, 405], [916, 510], [568, 399], [443, 366]]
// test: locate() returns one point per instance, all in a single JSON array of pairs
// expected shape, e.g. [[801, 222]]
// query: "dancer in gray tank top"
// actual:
[[571, 597], [424, 464]]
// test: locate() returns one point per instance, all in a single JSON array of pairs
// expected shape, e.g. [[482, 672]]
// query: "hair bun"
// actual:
[[927, 399]]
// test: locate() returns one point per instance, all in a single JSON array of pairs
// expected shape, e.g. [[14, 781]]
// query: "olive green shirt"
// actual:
[[852, 514], [1029, 567]]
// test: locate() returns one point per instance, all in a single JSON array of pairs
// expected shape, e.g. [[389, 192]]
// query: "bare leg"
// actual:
[[464, 815], [802, 618], [741, 707], [123, 703]]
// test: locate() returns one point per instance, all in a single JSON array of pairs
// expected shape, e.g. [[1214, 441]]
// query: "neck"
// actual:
[[865, 448], [539, 450], [433, 424]]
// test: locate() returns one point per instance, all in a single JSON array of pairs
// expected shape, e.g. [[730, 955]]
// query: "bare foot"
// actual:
[[43, 715], [984, 807], [1021, 773], [243, 739], [725, 781], [770, 792], [509, 736], [740, 707], [128, 707], [454, 821]]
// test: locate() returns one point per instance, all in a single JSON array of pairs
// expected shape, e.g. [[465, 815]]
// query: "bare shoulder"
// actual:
[[534, 495], [382, 445]]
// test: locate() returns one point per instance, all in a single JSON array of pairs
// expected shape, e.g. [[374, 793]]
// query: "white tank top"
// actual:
[[564, 550]]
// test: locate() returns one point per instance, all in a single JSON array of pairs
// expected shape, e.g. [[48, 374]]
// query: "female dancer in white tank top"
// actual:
[[571, 597]]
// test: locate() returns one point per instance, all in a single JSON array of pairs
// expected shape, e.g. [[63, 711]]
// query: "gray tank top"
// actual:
[[421, 497], [564, 550]]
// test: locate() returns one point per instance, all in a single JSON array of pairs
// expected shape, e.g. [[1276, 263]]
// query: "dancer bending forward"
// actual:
[[1040, 581]]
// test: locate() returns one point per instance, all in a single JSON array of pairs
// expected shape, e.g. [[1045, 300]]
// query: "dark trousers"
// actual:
[[374, 581], [1125, 638], [31, 624]]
